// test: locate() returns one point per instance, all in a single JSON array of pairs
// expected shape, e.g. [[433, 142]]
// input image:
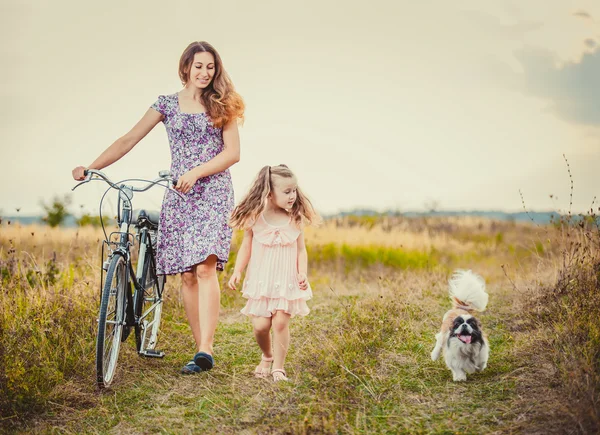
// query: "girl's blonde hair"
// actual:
[[255, 201], [222, 102]]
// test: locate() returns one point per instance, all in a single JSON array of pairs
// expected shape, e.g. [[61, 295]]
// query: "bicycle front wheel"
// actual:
[[110, 320]]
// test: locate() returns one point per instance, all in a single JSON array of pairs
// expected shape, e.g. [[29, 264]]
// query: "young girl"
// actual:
[[273, 214]]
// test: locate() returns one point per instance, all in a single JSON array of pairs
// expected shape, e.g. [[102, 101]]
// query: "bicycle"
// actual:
[[120, 308]]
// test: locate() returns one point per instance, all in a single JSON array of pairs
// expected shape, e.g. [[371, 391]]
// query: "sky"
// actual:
[[385, 105]]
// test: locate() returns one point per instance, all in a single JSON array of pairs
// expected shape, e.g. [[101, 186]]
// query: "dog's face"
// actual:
[[467, 329]]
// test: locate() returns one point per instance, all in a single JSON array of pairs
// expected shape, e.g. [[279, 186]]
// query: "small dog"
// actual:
[[465, 347]]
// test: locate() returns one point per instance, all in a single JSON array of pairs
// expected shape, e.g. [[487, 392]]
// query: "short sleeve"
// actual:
[[162, 105]]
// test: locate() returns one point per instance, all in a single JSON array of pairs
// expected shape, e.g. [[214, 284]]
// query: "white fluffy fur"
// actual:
[[464, 358], [469, 288], [467, 291]]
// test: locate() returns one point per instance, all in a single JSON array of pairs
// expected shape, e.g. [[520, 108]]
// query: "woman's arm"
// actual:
[[243, 257], [124, 144], [225, 159], [302, 263]]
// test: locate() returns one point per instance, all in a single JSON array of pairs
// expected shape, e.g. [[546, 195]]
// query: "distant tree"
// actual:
[[87, 219], [432, 205], [56, 212]]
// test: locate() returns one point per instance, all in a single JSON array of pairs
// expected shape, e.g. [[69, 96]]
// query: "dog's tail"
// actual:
[[467, 291]]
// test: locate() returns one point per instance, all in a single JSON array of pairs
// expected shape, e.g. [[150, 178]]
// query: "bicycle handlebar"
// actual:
[[164, 176]]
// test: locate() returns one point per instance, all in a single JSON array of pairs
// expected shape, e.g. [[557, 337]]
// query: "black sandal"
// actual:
[[204, 360], [190, 368]]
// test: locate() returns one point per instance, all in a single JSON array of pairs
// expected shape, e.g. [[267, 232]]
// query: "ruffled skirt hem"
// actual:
[[266, 307], [165, 270]]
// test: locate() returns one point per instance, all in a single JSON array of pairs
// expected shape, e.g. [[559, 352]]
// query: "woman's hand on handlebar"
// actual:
[[78, 173], [186, 181]]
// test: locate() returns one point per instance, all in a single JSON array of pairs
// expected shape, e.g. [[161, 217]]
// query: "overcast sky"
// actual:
[[384, 104]]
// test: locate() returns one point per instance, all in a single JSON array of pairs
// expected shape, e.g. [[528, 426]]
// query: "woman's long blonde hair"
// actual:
[[223, 104], [255, 201]]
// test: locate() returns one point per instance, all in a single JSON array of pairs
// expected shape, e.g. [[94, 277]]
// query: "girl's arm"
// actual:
[[302, 263], [225, 159], [243, 257], [124, 144]]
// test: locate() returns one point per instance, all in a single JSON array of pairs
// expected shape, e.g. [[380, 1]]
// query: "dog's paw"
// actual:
[[435, 354], [459, 377]]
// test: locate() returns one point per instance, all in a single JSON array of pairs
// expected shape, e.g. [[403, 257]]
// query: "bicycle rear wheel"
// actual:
[[149, 308], [110, 320]]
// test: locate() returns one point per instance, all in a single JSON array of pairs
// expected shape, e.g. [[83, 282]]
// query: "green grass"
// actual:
[[46, 335], [345, 257], [357, 364]]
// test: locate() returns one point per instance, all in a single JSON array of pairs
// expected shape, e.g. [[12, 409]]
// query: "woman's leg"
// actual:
[[281, 338], [189, 293], [209, 302]]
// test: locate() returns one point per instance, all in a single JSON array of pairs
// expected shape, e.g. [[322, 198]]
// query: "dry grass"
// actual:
[[359, 363], [563, 318], [451, 234]]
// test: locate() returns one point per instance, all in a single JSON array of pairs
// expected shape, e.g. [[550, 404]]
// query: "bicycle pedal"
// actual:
[[151, 353]]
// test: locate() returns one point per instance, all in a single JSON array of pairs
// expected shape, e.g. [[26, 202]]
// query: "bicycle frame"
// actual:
[[145, 241], [121, 309], [123, 245]]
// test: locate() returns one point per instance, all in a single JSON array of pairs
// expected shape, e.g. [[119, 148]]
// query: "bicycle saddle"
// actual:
[[150, 216]]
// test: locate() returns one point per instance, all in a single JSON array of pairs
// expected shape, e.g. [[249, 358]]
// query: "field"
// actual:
[[359, 363]]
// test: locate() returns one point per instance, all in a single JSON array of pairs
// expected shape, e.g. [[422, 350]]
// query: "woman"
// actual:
[[193, 237]]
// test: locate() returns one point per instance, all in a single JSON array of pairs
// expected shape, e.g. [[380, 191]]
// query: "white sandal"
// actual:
[[263, 372], [279, 375]]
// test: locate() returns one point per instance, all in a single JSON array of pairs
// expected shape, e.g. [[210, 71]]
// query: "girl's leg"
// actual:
[[262, 333], [189, 293], [209, 302], [281, 338]]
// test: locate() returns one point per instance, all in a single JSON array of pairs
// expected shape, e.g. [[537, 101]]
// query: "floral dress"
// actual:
[[193, 228]]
